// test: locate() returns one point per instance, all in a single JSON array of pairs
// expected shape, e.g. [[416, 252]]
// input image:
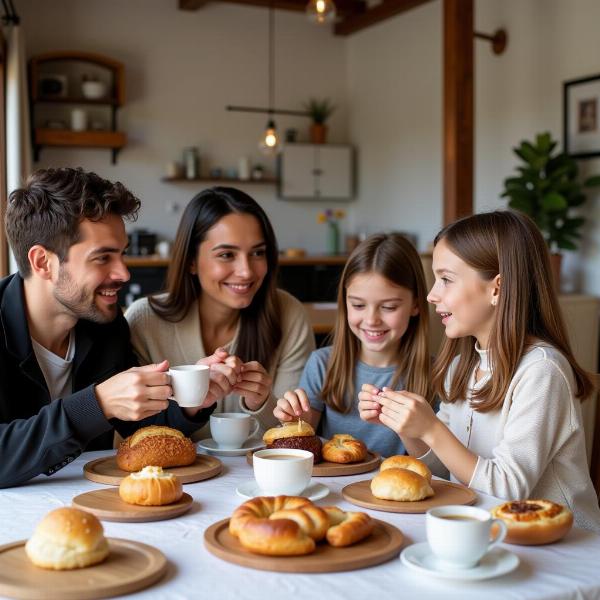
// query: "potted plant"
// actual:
[[547, 188], [319, 111]]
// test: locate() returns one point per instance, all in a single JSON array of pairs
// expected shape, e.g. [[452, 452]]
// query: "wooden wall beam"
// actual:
[[344, 7], [380, 12], [3, 182], [458, 109]]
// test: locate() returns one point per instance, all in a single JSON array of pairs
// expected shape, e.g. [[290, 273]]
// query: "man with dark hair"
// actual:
[[67, 371]]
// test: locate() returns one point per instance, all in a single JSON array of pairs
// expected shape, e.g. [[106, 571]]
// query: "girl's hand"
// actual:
[[293, 405], [369, 407], [254, 385], [408, 414]]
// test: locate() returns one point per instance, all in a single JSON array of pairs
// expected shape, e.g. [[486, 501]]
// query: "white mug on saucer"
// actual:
[[190, 384], [459, 536], [231, 430], [282, 471]]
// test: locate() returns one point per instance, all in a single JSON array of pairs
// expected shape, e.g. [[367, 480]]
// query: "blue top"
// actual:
[[378, 438]]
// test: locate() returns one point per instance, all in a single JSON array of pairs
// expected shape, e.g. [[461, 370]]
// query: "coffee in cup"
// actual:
[[282, 471], [231, 430], [190, 384], [459, 536]]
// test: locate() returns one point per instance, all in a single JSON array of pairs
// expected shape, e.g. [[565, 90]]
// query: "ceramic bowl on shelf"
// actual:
[[94, 90]]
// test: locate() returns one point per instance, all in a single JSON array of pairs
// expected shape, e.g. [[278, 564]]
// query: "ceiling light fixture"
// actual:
[[321, 11]]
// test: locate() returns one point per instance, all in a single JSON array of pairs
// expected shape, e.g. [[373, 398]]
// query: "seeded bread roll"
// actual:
[[150, 487], [401, 485], [157, 446], [67, 538]]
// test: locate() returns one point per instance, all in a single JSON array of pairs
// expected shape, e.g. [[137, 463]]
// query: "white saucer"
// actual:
[[211, 446], [496, 562], [250, 489]]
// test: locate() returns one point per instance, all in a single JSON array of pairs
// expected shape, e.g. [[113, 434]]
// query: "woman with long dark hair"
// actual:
[[221, 297]]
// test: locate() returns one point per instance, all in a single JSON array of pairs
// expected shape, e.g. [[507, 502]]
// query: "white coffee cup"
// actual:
[[459, 536], [282, 471], [190, 384], [231, 430]]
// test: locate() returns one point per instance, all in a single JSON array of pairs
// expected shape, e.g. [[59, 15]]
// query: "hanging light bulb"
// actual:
[[320, 11], [269, 142]]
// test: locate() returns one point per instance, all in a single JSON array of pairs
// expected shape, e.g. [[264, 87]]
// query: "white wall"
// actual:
[[182, 68]]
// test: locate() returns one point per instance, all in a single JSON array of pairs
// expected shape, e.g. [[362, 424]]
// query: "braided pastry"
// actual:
[[343, 448], [347, 528]]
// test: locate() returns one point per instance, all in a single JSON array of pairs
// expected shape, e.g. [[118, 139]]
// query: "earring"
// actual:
[[494, 302]]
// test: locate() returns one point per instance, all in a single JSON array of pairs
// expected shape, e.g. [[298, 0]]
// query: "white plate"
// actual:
[[250, 489], [211, 446], [496, 562]]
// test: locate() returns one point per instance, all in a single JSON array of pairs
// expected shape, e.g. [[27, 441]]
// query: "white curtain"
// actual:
[[18, 141]]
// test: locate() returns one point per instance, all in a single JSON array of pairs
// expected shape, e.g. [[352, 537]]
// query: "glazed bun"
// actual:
[[344, 448], [533, 522], [67, 538], [155, 445], [401, 485], [150, 487], [407, 462], [295, 436]]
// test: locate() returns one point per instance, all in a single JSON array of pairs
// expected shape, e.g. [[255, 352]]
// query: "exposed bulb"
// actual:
[[320, 11], [269, 142]]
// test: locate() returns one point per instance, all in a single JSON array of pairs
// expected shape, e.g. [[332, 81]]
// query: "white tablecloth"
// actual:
[[568, 569]]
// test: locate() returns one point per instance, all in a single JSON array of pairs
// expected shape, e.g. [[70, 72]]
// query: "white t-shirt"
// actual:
[[57, 371]]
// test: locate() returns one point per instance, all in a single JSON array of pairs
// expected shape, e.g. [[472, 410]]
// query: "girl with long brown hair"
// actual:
[[510, 420], [222, 301], [380, 340]]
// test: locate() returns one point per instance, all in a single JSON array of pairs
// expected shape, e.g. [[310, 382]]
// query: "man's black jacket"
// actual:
[[40, 436]]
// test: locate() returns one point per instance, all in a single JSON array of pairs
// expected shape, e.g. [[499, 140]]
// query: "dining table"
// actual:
[[567, 569]]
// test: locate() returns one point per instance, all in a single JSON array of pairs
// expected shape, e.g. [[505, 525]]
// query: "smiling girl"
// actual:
[[222, 298], [380, 339], [510, 421]]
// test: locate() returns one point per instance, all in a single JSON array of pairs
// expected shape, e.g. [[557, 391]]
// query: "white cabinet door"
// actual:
[[298, 171], [334, 164]]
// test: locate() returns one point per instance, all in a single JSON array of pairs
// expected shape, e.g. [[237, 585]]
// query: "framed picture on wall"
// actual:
[[581, 117]]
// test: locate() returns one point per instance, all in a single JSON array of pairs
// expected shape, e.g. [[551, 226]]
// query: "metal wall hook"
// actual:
[[499, 40]]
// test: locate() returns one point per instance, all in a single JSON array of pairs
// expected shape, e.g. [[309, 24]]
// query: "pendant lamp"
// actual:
[[321, 11], [269, 142]]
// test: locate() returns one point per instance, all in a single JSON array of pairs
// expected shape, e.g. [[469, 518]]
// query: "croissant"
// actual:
[[343, 448]]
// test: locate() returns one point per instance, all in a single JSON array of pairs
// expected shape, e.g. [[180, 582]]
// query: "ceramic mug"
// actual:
[[231, 430], [190, 384], [282, 471], [459, 536]]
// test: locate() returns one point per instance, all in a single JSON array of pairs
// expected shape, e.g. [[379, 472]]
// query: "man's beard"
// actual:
[[79, 300]]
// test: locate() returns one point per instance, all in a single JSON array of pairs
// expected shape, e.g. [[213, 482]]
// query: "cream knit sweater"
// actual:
[[155, 339], [534, 445]]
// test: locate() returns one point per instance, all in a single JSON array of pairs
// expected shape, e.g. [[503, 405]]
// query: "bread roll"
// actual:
[[67, 538], [155, 445], [150, 487], [401, 485], [533, 522], [407, 462], [291, 429], [344, 448]]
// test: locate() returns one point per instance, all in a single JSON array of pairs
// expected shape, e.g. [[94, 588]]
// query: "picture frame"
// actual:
[[581, 117]]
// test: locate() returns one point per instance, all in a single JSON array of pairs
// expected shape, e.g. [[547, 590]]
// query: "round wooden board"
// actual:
[[130, 566], [382, 545], [446, 492], [105, 470], [330, 469], [107, 505]]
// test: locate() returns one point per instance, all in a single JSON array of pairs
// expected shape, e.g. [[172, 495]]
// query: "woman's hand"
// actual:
[[292, 406], [225, 373], [254, 385], [369, 407]]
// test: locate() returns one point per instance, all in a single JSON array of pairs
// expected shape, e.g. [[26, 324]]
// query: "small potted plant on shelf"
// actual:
[[319, 111], [547, 188]]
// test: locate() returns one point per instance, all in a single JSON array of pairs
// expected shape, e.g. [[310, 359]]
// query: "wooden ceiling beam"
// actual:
[[344, 7], [380, 12]]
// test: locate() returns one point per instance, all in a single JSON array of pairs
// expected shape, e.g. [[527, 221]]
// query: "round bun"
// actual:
[[155, 445], [532, 522], [407, 462], [401, 485], [344, 448], [67, 538], [287, 430], [150, 487]]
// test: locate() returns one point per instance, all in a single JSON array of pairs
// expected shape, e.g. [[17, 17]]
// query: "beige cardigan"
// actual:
[[155, 339]]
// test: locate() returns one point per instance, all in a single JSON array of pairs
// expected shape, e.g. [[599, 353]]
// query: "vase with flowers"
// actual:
[[332, 218]]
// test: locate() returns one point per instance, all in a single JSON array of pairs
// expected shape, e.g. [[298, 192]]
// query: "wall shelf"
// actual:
[[263, 181]]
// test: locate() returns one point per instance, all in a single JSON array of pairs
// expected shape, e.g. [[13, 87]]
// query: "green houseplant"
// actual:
[[319, 111], [548, 188]]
